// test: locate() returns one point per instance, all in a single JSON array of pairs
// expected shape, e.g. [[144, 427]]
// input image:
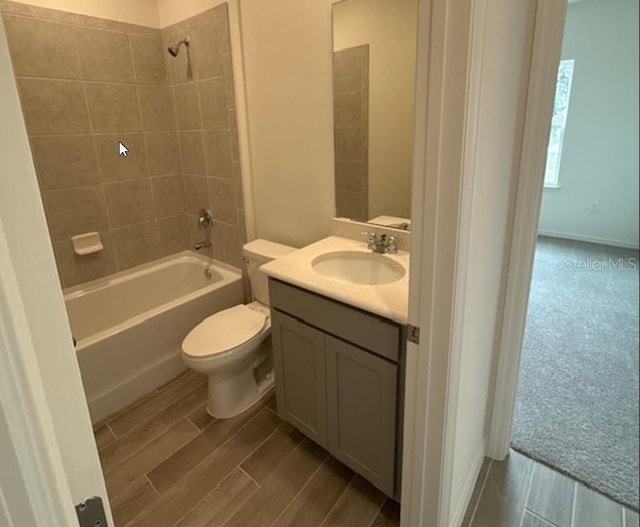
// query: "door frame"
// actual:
[[545, 58], [448, 76]]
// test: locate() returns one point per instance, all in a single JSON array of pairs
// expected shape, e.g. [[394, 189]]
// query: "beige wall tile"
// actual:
[[213, 104], [229, 87], [64, 161], [350, 69], [347, 109], [196, 194], [137, 244], [192, 152], [129, 202], [168, 194], [187, 109], [222, 201], [149, 60], [349, 175], [113, 107], [156, 105], [227, 244], [207, 49], [53, 107], [348, 205], [237, 185], [41, 49], [235, 145], [75, 269], [174, 236], [218, 153], [104, 55], [164, 153], [74, 211], [348, 143], [113, 166]]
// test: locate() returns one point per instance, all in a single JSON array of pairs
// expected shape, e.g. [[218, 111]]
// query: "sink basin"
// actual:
[[357, 267]]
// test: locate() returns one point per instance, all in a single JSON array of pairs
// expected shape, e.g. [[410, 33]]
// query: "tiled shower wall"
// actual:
[[203, 90], [85, 85], [351, 131]]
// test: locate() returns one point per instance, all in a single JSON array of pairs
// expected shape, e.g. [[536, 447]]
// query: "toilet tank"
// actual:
[[259, 252]]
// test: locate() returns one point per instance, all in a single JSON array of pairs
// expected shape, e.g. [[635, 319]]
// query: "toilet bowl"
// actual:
[[233, 346]]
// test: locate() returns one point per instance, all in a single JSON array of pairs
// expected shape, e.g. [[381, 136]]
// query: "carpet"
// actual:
[[577, 403]]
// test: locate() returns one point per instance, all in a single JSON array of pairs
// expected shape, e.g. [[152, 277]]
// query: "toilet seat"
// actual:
[[225, 331]]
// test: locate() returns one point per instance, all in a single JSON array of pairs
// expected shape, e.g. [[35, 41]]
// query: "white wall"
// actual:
[[600, 154], [389, 27], [500, 107], [287, 60], [141, 12]]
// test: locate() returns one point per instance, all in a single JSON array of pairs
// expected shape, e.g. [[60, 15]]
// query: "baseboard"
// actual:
[[468, 488], [591, 239]]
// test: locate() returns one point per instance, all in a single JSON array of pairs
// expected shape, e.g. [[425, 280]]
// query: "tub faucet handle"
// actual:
[[205, 219]]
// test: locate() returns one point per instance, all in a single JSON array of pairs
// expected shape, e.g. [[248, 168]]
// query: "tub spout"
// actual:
[[199, 246]]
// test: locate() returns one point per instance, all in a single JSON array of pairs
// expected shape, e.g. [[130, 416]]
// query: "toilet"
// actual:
[[232, 346]]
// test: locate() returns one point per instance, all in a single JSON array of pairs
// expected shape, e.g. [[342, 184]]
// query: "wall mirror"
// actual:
[[374, 55]]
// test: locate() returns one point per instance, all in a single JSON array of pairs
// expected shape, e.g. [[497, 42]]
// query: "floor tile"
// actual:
[[147, 431], [199, 482], [201, 418], [104, 437], [505, 493], [275, 449], [357, 507], [316, 499], [551, 495], [530, 520], [152, 405], [137, 497], [595, 510], [144, 460], [222, 502], [389, 515], [280, 487], [631, 518], [165, 475]]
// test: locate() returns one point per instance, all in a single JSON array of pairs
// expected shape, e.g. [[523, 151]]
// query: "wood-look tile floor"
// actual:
[[167, 463], [520, 492]]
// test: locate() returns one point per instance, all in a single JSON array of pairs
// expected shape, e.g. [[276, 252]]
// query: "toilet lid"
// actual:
[[224, 331]]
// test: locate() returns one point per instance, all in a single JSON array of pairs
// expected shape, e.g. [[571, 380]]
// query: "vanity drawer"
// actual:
[[368, 331]]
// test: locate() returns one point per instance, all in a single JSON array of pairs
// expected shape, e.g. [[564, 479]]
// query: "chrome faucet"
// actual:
[[382, 244], [199, 246]]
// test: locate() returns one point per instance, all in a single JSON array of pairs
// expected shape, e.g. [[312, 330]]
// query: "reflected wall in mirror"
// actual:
[[374, 55]]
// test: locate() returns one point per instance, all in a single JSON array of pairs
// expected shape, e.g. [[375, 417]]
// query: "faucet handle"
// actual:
[[392, 245]]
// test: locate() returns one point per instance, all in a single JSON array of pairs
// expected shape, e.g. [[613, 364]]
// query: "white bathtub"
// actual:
[[129, 326]]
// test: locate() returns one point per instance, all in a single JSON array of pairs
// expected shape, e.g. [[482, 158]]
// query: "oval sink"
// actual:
[[358, 267]]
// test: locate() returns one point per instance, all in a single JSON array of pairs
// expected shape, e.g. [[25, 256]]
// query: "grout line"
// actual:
[[249, 476], [537, 516], [303, 486], [146, 476], [338, 500], [526, 499], [573, 504], [375, 516], [482, 487]]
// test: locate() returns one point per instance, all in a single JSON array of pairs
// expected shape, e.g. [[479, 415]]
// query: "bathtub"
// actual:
[[129, 326]]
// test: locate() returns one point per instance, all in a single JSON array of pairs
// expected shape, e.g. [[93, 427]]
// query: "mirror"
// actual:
[[374, 55]]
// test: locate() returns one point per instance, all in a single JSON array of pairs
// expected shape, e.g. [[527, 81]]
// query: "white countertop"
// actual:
[[387, 300]]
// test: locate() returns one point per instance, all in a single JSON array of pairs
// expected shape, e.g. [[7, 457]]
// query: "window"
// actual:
[[558, 122]]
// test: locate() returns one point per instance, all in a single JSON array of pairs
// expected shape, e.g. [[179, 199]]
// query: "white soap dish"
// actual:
[[88, 243]]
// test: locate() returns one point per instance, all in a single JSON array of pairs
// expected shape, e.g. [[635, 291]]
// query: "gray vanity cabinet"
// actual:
[[361, 408], [300, 371], [338, 379]]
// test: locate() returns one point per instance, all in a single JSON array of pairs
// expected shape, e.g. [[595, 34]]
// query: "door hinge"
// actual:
[[413, 334], [91, 513]]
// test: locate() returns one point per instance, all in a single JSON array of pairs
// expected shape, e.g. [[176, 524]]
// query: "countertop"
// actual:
[[387, 300]]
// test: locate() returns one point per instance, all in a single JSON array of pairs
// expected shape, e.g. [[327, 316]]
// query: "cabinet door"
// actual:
[[299, 363], [361, 408]]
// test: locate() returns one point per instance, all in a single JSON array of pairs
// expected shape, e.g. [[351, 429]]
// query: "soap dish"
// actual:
[[88, 243]]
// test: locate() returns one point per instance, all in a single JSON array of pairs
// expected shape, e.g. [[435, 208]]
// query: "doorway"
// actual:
[[577, 398]]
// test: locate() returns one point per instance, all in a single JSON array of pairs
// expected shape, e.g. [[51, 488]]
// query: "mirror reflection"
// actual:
[[374, 53]]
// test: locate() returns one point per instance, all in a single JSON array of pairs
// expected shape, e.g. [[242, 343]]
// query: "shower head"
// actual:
[[175, 49]]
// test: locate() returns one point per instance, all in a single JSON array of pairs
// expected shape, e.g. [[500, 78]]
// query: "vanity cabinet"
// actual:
[[338, 379]]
